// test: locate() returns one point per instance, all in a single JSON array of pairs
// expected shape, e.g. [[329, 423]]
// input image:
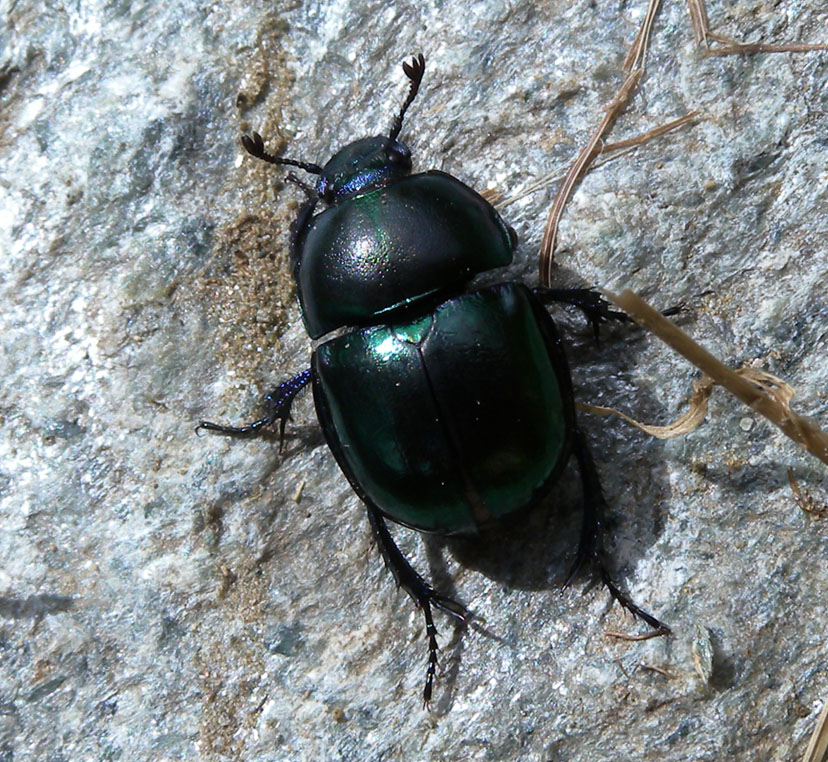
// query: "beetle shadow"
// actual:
[[749, 479], [298, 439], [302, 438], [537, 551], [528, 553]]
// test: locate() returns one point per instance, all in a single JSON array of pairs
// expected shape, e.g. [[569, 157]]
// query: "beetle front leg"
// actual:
[[278, 402], [591, 546], [420, 591]]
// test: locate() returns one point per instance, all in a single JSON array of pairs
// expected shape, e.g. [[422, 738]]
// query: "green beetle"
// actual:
[[449, 410]]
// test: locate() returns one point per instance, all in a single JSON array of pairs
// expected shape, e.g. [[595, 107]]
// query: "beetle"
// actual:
[[449, 408]]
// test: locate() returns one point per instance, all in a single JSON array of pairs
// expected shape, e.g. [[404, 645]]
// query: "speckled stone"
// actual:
[[168, 596]]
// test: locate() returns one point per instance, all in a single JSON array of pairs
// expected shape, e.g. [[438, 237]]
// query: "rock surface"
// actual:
[[169, 596]]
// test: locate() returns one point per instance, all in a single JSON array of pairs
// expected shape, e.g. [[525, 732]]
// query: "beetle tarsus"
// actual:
[[420, 591], [590, 547], [595, 307], [626, 602], [278, 402], [431, 670]]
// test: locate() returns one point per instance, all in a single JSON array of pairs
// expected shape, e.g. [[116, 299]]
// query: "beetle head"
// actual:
[[363, 166]]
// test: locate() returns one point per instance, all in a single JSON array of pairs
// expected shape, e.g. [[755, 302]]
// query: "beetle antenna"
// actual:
[[255, 147], [414, 71]]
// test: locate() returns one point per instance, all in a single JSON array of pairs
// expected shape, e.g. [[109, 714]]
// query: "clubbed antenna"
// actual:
[[255, 147], [414, 71]]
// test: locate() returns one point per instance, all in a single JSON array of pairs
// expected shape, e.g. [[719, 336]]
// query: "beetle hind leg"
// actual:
[[420, 591], [590, 547], [278, 402]]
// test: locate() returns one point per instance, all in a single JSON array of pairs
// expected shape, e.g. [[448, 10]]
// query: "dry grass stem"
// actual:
[[659, 670], [642, 636], [688, 422], [608, 152], [817, 750], [755, 393], [646, 137], [749, 48], [698, 19], [637, 54], [780, 391], [702, 35], [576, 171], [634, 65], [804, 500]]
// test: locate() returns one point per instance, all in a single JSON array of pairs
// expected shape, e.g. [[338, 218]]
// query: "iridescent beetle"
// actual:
[[449, 409]]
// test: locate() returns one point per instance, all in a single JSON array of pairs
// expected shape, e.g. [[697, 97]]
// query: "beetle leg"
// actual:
[[591, 547], [308, 190], [278, 403], [420, 591], [596, 309]]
